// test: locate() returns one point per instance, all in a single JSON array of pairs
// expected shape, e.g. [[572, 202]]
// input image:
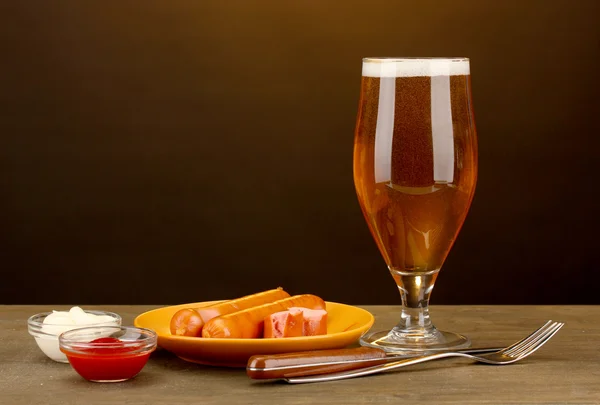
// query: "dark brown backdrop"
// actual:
[[175, 151]]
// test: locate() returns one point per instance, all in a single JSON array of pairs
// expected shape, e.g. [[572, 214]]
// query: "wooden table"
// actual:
[[566, 370]]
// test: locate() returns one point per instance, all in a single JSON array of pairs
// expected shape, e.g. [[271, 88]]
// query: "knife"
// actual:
[[284, 365]]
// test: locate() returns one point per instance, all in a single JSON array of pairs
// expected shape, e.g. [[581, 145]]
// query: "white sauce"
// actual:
[[61, 321]]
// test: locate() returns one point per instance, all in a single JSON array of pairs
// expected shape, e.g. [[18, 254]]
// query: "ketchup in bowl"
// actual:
[[108, 353]]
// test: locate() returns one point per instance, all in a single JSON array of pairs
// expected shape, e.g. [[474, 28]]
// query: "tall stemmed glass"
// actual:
[[415, 169]]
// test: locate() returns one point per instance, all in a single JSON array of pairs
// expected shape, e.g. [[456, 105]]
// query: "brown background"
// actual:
[[176, 151]]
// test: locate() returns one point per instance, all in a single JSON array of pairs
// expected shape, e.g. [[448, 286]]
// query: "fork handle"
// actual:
[[374, 369]]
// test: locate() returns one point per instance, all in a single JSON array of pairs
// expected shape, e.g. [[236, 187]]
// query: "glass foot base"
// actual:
[[412, 343]]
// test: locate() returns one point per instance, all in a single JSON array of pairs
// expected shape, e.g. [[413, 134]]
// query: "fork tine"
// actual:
[[515, 352], [540, 343], [532, 347], [529, 338]]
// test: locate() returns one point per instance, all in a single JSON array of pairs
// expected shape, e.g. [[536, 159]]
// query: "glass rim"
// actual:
[[37, 320], [76, 340], [386, 59]]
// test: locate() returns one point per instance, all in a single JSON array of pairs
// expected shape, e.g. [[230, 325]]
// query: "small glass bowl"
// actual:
[[46, 335], [108, 353]]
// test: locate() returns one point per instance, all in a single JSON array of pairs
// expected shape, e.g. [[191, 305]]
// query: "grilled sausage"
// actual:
[[249, 323], [190, 321]]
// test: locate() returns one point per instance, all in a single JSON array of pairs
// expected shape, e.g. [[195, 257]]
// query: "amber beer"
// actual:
[[415, 158]]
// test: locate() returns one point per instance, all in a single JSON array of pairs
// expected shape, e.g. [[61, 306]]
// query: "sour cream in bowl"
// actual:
[[47, 326]]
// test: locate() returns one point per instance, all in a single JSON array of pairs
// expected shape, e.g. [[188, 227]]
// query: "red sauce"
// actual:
[[108, 363]]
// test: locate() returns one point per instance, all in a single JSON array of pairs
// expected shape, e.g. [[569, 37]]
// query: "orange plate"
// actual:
[[345, 325]]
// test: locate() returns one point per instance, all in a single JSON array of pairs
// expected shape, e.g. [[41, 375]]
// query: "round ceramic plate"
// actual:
[[345, 325]]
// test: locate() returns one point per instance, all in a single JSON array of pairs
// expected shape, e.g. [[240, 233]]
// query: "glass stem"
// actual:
[[415, 290]]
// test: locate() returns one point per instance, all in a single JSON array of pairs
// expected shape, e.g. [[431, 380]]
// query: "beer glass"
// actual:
[[415, 169]]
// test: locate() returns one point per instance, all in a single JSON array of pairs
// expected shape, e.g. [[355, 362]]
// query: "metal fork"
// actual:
[[508, 355]]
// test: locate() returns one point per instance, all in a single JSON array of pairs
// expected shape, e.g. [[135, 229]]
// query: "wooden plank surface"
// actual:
[[565, 371]]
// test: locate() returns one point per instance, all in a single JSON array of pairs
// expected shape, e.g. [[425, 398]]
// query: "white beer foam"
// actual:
[[373, 67]]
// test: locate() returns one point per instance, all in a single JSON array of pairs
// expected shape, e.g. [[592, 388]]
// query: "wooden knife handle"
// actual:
[[312, 362]]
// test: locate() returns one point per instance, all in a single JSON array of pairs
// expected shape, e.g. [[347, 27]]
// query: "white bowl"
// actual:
[[46, 335]]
